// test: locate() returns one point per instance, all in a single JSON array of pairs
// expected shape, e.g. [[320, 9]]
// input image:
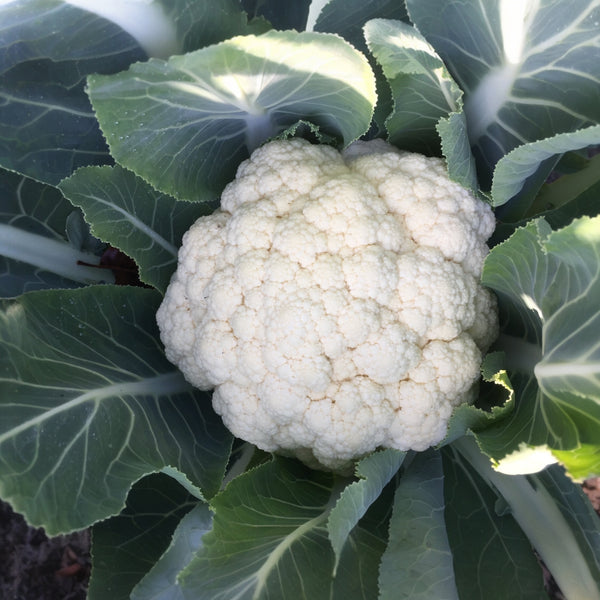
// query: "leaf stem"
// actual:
[[51, 255]]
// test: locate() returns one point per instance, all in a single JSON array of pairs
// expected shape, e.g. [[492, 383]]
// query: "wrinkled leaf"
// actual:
[[90, 404], [347, 18], [422, 89], [494, 402], [457, 152], [129, 214], [186, 124], [571, 190]]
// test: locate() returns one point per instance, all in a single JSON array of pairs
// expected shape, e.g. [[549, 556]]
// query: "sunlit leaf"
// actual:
[[185, 124]]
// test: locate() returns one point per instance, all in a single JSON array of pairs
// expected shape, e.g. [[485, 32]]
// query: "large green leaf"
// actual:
[[126, 212], [417, 563], [166, 27], [548, 285], [126, 547], [47, 47], [186, 124], [47, 127], [529, 70], [492, 556], [90, 404], [555, 515], [270, 540], [36, 248]]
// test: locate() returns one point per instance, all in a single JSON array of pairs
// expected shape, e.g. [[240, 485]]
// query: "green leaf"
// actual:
[[200, 23], [427, 115], [492, 556], [127, 546], [417, 563], [129, 214], [90, 404], [348, 17], [568, 191], [495, 401], [548, 284], [529, 70], [582, 461], [547, 507], [358, 568], [35, 253], [514, 169], [375, 471], [47, 127], [561, 201], [79, 235], [161, 583], [288, 15], [582, 523], [314, 11], [270, 540], [422, 89], [186, 124], [457, 152]]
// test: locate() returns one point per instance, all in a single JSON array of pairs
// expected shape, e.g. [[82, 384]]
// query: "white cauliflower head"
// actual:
[[333, 302]]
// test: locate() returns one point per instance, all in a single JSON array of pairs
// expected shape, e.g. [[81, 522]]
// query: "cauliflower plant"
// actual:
[[333, 301]]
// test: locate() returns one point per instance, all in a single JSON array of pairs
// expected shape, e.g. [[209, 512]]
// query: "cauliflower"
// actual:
[[333, 301]]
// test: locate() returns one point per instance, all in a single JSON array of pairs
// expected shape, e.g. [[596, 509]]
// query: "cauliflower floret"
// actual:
[[444, 206], [333, 302]]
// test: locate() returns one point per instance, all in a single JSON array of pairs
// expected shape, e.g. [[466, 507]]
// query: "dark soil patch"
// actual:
[[33, 567]]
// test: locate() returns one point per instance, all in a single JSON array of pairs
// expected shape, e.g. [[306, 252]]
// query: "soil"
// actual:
[[33, 567]]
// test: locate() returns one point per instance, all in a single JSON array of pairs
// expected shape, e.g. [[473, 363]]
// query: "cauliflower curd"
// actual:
[[333, 301]]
